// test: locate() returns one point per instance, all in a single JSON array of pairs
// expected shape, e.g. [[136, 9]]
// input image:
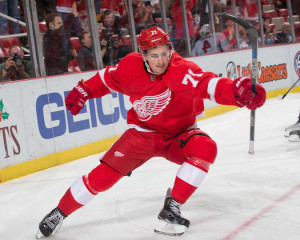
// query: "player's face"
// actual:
[[158, 59]]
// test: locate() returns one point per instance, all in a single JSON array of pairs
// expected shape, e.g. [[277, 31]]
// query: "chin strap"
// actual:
[[148, 68]]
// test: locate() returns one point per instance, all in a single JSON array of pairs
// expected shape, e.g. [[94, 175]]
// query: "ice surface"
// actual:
[[243, 197]]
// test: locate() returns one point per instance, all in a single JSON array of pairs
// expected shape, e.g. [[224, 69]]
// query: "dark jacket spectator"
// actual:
[[284, 36], [57, 48], [85, 57]]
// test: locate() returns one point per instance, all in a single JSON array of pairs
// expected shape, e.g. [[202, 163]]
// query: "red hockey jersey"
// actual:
[[168, 103]]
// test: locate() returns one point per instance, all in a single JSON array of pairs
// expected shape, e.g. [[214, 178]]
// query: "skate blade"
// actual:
[[287, 133], [39, 234], [294, 138], [166, 228]]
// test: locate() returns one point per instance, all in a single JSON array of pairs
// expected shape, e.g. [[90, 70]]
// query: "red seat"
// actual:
[[270, 13], [73, 66], [75, 43], [6, 43], [283, 12], [43, 27]]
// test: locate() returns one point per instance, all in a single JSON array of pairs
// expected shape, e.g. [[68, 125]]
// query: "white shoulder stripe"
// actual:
[[211, 89], [101, 73]]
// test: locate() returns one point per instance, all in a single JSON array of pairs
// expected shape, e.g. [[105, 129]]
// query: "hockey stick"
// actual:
[[290, 89], [253, 36]]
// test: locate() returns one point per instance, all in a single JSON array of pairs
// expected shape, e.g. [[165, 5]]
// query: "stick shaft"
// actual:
[[290, 89], [254, 41], [253, 36]]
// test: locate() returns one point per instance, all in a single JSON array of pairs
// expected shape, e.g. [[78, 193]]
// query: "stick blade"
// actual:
[[251, 147]]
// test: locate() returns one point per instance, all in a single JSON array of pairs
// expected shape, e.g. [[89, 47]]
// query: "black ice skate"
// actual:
[[292, 128], [170, 220], [50, 224], [294, 136]]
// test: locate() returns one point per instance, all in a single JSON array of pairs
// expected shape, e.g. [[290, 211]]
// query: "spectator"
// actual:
[[110, 24], [177, 18], [15, 67], [45, 7], [143, 15], [178, 37], [285, 35], [57, 48], [270, 37], [280, 4], [97, 6], [111, 33], [226, 38], [267, 20], [103, 42], [113, 5], [296, 7], [257, 27], [204, 11], [156, 6], [205, 44], [65, 8], [82, 14], [9, 8], [85, 57], [249, 9], [244, 41]]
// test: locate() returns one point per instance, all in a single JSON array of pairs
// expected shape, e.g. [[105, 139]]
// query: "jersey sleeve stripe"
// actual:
[[101, 74], [211, 89]]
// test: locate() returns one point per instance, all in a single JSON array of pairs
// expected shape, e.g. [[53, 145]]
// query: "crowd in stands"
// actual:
[[276, 26], [67, 41]]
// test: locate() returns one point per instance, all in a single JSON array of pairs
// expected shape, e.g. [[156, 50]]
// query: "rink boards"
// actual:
[[36, 131]]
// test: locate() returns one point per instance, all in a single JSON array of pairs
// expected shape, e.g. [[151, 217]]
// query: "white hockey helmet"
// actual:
[[204, 30]]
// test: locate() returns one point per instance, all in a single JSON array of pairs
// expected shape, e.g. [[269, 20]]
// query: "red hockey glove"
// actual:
[[76, 99], [244, 96]]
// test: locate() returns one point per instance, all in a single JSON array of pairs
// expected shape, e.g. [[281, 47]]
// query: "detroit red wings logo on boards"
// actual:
[[297, 63], [149, 106]]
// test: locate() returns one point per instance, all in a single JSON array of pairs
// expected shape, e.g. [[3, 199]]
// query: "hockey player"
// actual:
[[293, 131], [166, 92]]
